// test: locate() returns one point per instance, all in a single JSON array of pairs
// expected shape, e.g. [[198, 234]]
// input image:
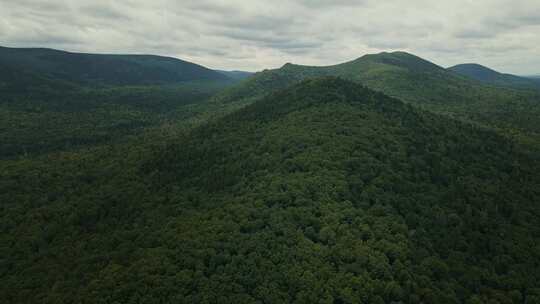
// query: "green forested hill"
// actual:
[[55, 101], [489, 76], [97, 69], [415, 81], [56, 116], [326, 192], [397, 73]]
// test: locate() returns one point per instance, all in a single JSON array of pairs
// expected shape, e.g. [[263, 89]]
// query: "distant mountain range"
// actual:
[[489, 76], [457, 90], [398, 74], [388, 72], [108, 69]]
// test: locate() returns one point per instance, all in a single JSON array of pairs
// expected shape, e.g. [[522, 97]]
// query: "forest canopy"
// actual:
[[322, 192]]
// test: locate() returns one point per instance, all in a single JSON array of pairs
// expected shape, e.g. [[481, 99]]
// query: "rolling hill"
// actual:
[[413, 80], [53, 119], [97, 69], [489, 76], [54, 101], [324, 192], [397, 73]]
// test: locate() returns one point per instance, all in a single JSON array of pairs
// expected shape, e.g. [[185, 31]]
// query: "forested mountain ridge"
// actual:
[[416, 81], [489, 76], [372, 70], [59, 116], [325, 192], [53, 100], [102, 69]]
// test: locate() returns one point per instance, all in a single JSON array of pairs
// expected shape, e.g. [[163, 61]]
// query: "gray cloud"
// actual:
[[237, 34], [332, 3], [101, 12]]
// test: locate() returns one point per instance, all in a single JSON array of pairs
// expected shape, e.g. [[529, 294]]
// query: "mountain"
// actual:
[[489, 76], [326, 191], [53, 101], [393, 72], [398, 74], [105, 69], [413, 80]]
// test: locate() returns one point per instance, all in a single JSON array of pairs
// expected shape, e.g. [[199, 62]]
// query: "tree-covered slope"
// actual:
[[58, 116], [16, 82], [105, 69], [489, 76], [326, 192], [53, 100], [415, 81], [397, 73]]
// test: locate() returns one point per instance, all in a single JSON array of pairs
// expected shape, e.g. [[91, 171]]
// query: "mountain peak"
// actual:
[[400, 59], [290, 65], [395, 54]]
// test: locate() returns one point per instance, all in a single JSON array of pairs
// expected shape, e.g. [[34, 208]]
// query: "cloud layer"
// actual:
[[253, 35]]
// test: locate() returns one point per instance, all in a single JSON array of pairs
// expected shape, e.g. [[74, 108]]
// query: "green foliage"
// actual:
[[418, 82], [47, 119], [56, 101], [327, 192]]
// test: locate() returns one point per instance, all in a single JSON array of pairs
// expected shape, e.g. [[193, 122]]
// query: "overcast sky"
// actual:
[[253, 35]]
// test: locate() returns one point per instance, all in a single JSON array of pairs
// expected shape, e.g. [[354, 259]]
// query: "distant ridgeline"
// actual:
[[105, 69], [489, 76]]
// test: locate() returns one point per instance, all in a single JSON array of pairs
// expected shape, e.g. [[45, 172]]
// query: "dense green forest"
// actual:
[[51, 119], [56, 101], [398, 182], [419, 82]]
